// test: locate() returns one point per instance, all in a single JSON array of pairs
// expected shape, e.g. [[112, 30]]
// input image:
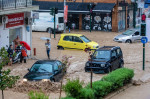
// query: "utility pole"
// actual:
[[134, 13], [53, 12], [64, 15]]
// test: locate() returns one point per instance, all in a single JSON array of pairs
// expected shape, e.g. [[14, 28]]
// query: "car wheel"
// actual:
[[60, 48], [128, 41], [121, 65], [108, 70], [49, 30]]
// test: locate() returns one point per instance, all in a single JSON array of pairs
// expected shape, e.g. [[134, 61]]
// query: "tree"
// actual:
[[6, 80]]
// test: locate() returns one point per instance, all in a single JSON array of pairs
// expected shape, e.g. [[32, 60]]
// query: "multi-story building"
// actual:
[[108, 15], [16, 20]]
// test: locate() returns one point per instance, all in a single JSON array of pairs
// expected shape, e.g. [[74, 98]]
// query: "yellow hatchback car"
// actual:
[[76, 41]]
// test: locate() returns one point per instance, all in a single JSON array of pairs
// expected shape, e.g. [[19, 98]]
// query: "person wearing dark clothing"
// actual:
[[10, 54], [143, 18], [48, 48], [23, 54]]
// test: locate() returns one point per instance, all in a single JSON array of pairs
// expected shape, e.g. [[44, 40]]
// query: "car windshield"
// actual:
[[85, 39], [101, 55], [128, 32], [42, 68]]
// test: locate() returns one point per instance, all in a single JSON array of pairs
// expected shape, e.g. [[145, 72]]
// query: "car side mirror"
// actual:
[[28, 69]]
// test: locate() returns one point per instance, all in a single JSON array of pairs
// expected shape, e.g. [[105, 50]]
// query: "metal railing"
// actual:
[[14, 4]]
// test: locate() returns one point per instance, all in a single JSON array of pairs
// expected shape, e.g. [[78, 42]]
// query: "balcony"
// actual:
[[14, 4]]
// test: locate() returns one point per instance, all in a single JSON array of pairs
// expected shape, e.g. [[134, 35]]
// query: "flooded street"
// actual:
[[132, 53]]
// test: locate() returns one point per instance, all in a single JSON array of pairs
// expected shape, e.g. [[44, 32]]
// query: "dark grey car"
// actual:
[[105, 59], [129, 36]]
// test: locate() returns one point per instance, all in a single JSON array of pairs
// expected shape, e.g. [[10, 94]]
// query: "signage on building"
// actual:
[[15, 20], [65, 13]]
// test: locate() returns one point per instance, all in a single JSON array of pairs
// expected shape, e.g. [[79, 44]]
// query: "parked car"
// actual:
[[105, 59], [129, 36], [44, 70], [76, 41]]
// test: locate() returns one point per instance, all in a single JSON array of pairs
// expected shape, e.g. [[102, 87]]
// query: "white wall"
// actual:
[[4, 37]]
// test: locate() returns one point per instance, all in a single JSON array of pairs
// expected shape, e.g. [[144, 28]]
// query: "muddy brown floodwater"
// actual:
[[132, 57]]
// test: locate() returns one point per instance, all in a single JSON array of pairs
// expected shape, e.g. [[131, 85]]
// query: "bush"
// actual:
[[86, 93], [119, 77], [101, 88], [73, 88], [68, 98], [37, 95]]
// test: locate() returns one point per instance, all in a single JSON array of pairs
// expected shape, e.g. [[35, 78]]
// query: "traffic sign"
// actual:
[[144, 40]]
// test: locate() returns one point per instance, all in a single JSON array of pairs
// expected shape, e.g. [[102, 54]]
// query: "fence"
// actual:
[[14, 4]]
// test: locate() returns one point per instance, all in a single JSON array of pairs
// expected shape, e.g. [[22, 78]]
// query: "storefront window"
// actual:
[[13, 33]]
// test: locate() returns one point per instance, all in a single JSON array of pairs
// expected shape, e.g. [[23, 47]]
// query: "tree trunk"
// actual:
[[60, 88], [2, 94]]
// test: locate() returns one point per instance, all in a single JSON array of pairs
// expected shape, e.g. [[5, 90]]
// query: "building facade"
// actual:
[[16, 20], [117, 18]]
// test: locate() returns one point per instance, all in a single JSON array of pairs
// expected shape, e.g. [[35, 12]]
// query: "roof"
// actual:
[[108, 47], [45, 61], [74, 7], [71, 34]]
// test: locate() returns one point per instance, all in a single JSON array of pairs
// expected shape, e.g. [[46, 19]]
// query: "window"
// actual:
[[85, 39], [77, 39], [59, 64], [55, 66], [60, 20], [114, 53], [137, 33], [101, 55], [68, 38], [119, 52]]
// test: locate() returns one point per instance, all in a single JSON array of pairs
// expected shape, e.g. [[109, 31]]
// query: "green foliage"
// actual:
[[3, 57], [101, 88], [86, 93], [37, 95], [73, 88], [119, 77], [6, 80], [68, 98]]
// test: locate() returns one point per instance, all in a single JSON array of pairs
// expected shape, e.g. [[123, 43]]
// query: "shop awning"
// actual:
[[74, 7]]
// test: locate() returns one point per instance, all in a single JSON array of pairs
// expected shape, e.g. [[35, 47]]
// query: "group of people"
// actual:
[[17, 48]]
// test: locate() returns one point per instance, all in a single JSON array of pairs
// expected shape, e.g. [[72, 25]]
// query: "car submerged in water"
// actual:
[[105, 60], [129, 36], [45, 70]]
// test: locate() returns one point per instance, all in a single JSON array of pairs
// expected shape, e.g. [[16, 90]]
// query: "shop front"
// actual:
[[15, 27], [99, 21]]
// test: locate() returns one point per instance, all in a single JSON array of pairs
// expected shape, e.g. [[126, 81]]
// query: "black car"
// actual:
[[44, 70], [105, 59]]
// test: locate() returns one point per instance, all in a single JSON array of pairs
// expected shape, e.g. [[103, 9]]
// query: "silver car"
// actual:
[[128, 36]]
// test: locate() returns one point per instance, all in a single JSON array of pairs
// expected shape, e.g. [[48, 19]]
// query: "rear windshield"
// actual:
[[61, 20]]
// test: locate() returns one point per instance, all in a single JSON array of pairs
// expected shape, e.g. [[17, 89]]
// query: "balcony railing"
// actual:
[[14, 4]]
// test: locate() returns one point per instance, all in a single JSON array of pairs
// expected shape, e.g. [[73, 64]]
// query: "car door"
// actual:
[[136, 36], [114, 60], [78, 43], [68, 42], [120, 56]]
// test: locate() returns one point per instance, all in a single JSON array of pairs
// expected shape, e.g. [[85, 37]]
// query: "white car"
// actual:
[[129, 36]]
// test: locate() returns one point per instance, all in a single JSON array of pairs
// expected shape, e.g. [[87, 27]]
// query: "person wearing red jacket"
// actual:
[[143, 18]]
